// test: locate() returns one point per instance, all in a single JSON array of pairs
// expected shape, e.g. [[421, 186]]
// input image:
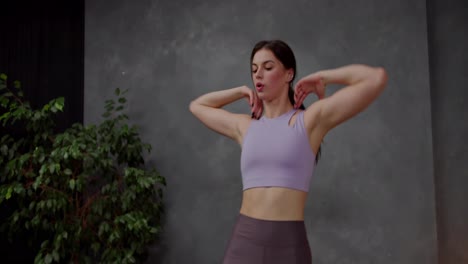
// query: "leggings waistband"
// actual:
[[271, 233]]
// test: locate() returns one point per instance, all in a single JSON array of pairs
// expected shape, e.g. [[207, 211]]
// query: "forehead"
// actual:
[[262, 56]]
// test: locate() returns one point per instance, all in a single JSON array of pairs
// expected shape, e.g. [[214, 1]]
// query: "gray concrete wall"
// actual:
[[372, 196], [448, 44]]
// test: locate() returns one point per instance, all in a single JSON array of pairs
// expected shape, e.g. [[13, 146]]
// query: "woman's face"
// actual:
[[269, 75]]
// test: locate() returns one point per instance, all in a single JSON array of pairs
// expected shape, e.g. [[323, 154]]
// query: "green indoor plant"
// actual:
[[86, 190]]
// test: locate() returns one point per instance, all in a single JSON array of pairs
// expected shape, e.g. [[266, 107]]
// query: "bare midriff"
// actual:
[[274, 203]]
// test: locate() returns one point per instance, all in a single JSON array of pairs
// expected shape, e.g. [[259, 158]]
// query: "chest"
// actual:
[[275, 143]]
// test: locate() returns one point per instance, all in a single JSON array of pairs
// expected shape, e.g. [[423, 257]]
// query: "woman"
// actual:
[[279, 143]]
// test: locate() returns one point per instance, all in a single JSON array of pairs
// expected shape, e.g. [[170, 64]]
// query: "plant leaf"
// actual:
[[71, 183], [5, 116], [59, 103], [8, 194], [17, 84], [48, 259], [55, 256]]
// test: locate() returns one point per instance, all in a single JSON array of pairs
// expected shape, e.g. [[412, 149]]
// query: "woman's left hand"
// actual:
[[313, 83]]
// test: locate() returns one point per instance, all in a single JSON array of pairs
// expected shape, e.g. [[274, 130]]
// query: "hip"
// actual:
[[265, 241]]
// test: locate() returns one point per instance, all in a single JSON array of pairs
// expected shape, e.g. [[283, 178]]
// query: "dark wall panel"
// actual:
[[448, 42], [41, 45]]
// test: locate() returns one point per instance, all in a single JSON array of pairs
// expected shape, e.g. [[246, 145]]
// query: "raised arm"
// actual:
[[207, 108], [362, 86]]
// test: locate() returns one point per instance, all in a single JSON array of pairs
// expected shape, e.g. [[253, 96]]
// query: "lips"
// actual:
[[259, 87]]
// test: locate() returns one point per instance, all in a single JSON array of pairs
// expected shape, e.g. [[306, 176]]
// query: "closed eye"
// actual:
[[266, 68]]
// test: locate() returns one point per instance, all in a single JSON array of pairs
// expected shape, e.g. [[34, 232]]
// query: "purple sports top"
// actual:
[[277, 154]]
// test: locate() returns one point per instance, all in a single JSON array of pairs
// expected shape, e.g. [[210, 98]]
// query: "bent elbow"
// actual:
[[380, 78], [192, 106]]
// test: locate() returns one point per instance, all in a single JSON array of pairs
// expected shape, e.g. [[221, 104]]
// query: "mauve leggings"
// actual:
[[256, 241]]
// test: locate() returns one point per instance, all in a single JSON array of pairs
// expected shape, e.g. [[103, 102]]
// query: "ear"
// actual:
[[290, 75]]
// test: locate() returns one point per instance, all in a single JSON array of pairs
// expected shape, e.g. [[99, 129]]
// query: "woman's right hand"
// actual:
[[255, 102]]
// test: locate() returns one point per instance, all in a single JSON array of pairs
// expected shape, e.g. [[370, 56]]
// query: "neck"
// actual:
[[276, 107]]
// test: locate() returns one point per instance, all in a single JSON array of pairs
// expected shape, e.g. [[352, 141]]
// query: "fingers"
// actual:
[[259, 109], [302, 98], [251, 97], [254, 101], [299, 95], [257, 105], [299, 101], [303, 88], [297, 92], [298, 85], [249, 101], [257, 114]]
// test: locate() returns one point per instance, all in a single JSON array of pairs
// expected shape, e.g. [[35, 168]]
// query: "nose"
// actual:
[[258, 74]]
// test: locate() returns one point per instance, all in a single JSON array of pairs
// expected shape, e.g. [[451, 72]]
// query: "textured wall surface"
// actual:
[[372, 196], [449, 62]]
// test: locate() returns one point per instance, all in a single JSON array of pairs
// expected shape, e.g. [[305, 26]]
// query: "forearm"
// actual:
[[352, 74], [363, 84], [221, 98]]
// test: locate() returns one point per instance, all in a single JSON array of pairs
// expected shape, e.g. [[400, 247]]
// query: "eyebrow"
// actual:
[[253, 64]]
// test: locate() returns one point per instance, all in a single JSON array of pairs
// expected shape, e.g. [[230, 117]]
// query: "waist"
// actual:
[[274, 203]]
